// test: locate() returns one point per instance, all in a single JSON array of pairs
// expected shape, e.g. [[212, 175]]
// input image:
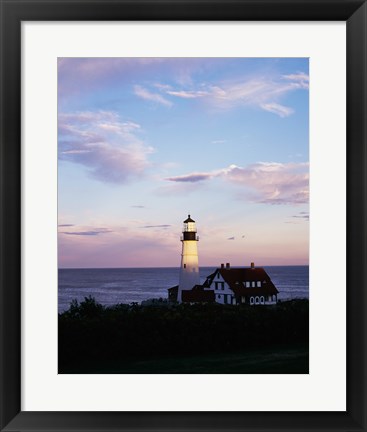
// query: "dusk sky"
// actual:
[[143, 142]]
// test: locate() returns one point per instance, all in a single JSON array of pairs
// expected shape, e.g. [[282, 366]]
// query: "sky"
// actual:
[[143, 142]]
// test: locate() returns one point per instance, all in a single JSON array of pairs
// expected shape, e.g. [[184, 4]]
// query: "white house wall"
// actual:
[[223, 291], [223, 294]]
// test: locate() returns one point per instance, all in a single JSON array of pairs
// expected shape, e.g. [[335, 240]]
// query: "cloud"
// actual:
[[302, 215], [80, 75], [262, 182], [188, 94], [230, 238], [280, 110], [300, 80], [157, 226], [260, 92], [85, 75], [138, 206], [88, 233], [107, 146], [273, 183], [65, 225], [191, 178], [128, 246], [154, 97]]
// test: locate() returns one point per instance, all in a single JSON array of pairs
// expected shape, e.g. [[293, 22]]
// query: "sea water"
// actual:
[[128, 285]]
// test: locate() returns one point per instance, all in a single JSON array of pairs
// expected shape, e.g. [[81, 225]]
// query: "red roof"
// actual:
[[236, 278]]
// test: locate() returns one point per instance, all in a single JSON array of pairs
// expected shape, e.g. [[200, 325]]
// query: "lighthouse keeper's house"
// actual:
[[249, 285]]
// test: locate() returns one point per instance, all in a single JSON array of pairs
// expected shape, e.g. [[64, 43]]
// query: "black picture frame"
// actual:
[[13, 12]]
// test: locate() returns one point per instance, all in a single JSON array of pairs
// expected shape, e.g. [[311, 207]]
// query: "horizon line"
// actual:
[[178, 267]]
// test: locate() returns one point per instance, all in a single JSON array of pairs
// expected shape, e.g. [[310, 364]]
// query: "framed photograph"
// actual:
[[141, 273], [183, 218]]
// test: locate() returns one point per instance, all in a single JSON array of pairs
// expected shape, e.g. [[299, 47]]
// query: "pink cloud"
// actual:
[[273, 183], [153, 97], [263, 182], [109, 148], [119, 247]]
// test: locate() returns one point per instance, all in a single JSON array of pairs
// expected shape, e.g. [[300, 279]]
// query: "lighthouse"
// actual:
[[189, 272]]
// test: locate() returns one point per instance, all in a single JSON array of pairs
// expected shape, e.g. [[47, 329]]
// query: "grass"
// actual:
[[276, 360]]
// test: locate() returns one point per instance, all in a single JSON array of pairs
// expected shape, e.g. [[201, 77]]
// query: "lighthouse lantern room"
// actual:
[[189, 272]]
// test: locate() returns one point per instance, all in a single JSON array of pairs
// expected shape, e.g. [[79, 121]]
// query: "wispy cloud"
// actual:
[[263, 182], [261, 92], [138, 206], [299, 79], [107, 146], [65, 225], [188, 94], [191, 178], [88, 233], [280, 110], [230, 238], [302, 215], [153, 97], [157, 226], [219, 142]]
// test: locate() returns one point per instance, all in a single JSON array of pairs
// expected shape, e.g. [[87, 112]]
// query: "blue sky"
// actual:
[[144, 141]]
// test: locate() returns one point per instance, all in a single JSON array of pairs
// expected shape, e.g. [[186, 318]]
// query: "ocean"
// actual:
[[127, 285]]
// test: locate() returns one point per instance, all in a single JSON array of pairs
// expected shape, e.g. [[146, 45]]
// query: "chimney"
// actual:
[[228, 265], [252, 265], [222, 266]]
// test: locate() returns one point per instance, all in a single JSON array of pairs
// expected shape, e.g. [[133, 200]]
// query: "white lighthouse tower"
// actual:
[[189, 273]]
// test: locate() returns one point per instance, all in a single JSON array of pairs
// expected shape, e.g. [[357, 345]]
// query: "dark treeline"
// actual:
[[90, 333]]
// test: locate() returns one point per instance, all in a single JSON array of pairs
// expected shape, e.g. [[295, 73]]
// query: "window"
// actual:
[[222, 284], [262, 300], [184, 265], [216, 285], [218, 275], [247, 284], [258, 284], [219, 296], [256, 300], [251, 300], [253, 284]]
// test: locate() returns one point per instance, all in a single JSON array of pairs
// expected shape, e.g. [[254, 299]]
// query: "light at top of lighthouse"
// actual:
[[189, 225]]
